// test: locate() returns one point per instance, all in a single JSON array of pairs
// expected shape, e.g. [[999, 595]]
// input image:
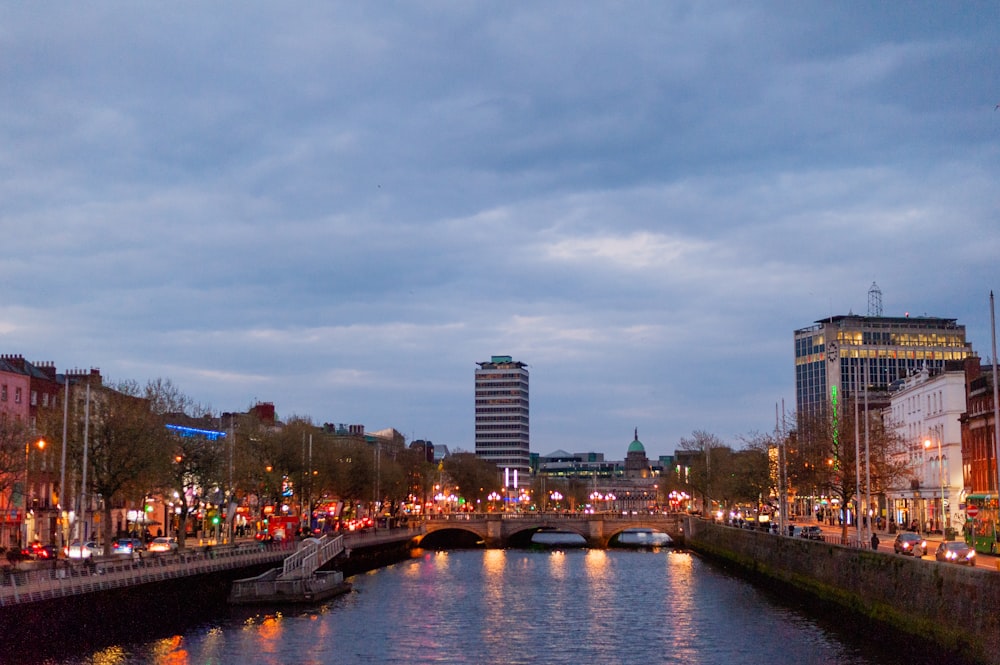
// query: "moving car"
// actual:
[[126, 546], [77, 551], [38, 551], [163, 544], [812, 532], [910, 543], [955, 551]]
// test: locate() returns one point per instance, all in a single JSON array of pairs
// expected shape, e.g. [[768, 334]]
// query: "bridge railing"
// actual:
[[62, 578], [549, 514]]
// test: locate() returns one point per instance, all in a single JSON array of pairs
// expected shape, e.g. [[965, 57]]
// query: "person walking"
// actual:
[[874, 541]]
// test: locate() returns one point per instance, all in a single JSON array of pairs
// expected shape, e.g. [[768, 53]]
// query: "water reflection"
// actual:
[[512, 607]]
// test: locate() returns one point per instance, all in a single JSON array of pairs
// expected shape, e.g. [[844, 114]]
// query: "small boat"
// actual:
[[641, 537], [558, 538]]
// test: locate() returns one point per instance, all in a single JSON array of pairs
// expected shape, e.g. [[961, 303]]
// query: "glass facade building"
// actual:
[[841, 354], [502, 423]]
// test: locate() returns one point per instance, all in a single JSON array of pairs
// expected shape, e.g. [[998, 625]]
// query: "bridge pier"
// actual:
[[494, 532], [595, 536]]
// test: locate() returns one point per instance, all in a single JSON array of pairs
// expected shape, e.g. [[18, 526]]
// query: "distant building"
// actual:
[[636, 463], [842, 354], [502, 423], [978, 432], [425, 448], [925, 412]]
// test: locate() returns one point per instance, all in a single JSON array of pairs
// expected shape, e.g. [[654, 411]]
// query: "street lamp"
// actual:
[[40, 444], [493, 497]]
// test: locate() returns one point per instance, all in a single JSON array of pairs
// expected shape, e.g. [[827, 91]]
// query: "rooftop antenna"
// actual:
[[874, 300]]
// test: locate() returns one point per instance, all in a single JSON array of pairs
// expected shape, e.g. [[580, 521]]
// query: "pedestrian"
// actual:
[[874, 541]]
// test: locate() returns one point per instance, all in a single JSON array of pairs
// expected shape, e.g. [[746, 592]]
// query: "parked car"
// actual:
[[163, 544], [127, 546], [955, 551], [75, 550], [812, 532], [910, 543], [38, 551]]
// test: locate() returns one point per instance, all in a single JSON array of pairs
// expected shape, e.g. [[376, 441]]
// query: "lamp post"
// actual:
[[940, 514], [40, 444]]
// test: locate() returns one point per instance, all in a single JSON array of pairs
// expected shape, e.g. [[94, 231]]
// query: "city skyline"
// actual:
[[342, 209]]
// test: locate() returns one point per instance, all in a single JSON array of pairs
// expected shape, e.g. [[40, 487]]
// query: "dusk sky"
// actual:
[[341, 208]]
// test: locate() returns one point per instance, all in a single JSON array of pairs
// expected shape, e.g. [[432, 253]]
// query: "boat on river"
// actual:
[[643, 537], [557, 538]]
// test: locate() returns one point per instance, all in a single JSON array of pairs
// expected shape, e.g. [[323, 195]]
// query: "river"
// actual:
[[517, 606]]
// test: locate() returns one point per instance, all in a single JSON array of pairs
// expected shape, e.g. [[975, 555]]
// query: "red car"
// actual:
[[38, 551]]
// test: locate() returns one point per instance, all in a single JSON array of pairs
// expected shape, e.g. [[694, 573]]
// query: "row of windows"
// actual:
[[512, 448], [513, 410], [509, 403], [502, 384], [516, 426], [502, 436], [487, 374], [872, 338], [489, 393], [502, 419], [47, 399], [3, 394], [852, 353]]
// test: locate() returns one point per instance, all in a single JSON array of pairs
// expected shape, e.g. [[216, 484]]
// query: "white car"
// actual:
[[163, 544], [77, 551]]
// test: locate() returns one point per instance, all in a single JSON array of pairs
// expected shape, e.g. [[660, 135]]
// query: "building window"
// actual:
[[3, 393], [17, 395], [34, 398]]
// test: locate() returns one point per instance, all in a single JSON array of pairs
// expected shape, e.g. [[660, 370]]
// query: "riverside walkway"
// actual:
[[61, 578]]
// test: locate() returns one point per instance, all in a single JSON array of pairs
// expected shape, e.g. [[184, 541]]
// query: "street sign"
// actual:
[[972, 511]]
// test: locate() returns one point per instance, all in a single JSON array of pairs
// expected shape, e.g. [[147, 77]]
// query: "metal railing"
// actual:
[[67, 579], [312, 555]]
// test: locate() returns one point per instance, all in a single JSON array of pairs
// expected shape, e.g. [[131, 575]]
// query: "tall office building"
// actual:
[[502, 432], [843, 354]]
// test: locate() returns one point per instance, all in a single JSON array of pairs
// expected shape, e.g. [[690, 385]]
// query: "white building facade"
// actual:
[[925, 413]]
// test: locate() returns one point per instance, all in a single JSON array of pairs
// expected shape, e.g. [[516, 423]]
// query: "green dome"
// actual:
[[636, 445]]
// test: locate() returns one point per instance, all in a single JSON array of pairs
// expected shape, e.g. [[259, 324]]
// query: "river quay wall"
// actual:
[[949, 605]]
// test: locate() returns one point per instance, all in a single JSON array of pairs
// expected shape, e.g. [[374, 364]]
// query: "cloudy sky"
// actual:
[[342, 207]]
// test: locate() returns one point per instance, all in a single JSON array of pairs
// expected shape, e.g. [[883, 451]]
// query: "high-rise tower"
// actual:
[[843, 354], [502, 432]]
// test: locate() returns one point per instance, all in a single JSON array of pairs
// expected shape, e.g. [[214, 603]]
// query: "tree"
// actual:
[[474, 477], [701, 474], [189, 468], [195, 476], [14, 434], [823, 454], [126, 443], [751, 477]]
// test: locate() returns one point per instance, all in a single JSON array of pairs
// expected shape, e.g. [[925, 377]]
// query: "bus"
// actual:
[[981, 516]]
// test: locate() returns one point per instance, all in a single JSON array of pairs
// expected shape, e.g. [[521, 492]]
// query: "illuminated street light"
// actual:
[[40, 444], [940, 515]]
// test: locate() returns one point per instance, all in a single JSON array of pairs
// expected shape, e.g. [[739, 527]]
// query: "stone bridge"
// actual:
[[498, 529]]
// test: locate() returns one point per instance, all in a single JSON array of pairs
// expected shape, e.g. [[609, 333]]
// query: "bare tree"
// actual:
[[126, 444], [700, 476], [13, 436]]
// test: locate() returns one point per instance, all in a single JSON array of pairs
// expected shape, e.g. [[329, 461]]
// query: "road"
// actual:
[[987, 561]]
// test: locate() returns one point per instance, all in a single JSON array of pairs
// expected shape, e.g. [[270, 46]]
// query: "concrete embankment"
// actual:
[[949, 605]]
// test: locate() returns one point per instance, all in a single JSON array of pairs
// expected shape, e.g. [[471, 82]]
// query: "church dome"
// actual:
[[636, 445]]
